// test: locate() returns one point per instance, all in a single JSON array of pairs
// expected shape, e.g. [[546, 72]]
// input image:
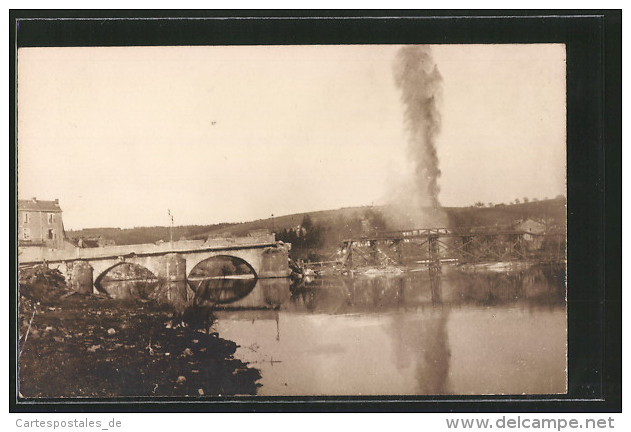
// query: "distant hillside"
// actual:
[[327, 218], [335, 225], [552, 211], [138, 235]]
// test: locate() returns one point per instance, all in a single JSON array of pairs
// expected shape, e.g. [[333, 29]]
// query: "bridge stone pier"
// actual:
[[171, 262]]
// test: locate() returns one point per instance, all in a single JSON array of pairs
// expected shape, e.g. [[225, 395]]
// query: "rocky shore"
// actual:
[[72, 345]]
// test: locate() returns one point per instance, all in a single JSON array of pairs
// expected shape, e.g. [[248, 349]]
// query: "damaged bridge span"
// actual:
[[431, 246]]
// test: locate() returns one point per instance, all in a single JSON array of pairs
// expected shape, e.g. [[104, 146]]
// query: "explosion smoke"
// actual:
[[420, 82]]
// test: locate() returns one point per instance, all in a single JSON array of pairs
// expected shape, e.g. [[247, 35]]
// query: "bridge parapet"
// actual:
[[237, 241], [38, 255]]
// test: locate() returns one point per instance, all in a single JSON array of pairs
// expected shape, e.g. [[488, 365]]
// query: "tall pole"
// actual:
[[171, 216]]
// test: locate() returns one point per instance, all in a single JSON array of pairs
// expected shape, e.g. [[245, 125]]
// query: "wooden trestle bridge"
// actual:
[[435, 246]]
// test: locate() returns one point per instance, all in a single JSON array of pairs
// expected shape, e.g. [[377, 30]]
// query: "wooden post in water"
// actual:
[[349, 259], [398, 244], [434, 252], [373, 253], [434, 268]]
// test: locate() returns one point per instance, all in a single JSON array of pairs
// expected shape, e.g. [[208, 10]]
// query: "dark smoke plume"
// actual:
[[417, 77]]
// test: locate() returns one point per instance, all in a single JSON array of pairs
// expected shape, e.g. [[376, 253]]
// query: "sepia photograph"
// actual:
[[292, 220], [254, 210]]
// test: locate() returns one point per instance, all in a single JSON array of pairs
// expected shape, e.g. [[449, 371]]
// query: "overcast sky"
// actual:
[[226, 134]]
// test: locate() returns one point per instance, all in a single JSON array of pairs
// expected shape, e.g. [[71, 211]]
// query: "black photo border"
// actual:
[[593, 41]]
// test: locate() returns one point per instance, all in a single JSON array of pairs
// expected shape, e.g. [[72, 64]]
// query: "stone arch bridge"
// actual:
[[266, 257]]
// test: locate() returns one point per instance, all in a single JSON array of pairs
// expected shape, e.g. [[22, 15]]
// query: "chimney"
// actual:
[[57, 201], [34, 199]]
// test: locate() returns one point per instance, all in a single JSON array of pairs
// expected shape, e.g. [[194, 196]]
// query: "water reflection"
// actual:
[[235, 293], [223, 291], [425, 342], [543, 285], [454, 332], [422, 345]]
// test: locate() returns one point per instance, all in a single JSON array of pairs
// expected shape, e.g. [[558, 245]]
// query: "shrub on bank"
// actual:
[[41, 284]]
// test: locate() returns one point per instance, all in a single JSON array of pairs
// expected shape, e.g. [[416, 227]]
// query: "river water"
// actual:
[[465, 332]]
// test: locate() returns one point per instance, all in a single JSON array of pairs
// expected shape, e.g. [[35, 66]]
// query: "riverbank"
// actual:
[[86, 346]]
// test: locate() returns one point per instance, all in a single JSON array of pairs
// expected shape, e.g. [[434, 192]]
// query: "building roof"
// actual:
[[531, 225], [39, 205]]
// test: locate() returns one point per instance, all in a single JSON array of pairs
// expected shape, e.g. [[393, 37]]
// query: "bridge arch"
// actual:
[[222, 266], [126, 279], [221, 279]]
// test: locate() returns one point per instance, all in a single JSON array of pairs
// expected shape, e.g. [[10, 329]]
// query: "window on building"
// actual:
[[51, 234], [26, 233], [51, 218], [26, 218]]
